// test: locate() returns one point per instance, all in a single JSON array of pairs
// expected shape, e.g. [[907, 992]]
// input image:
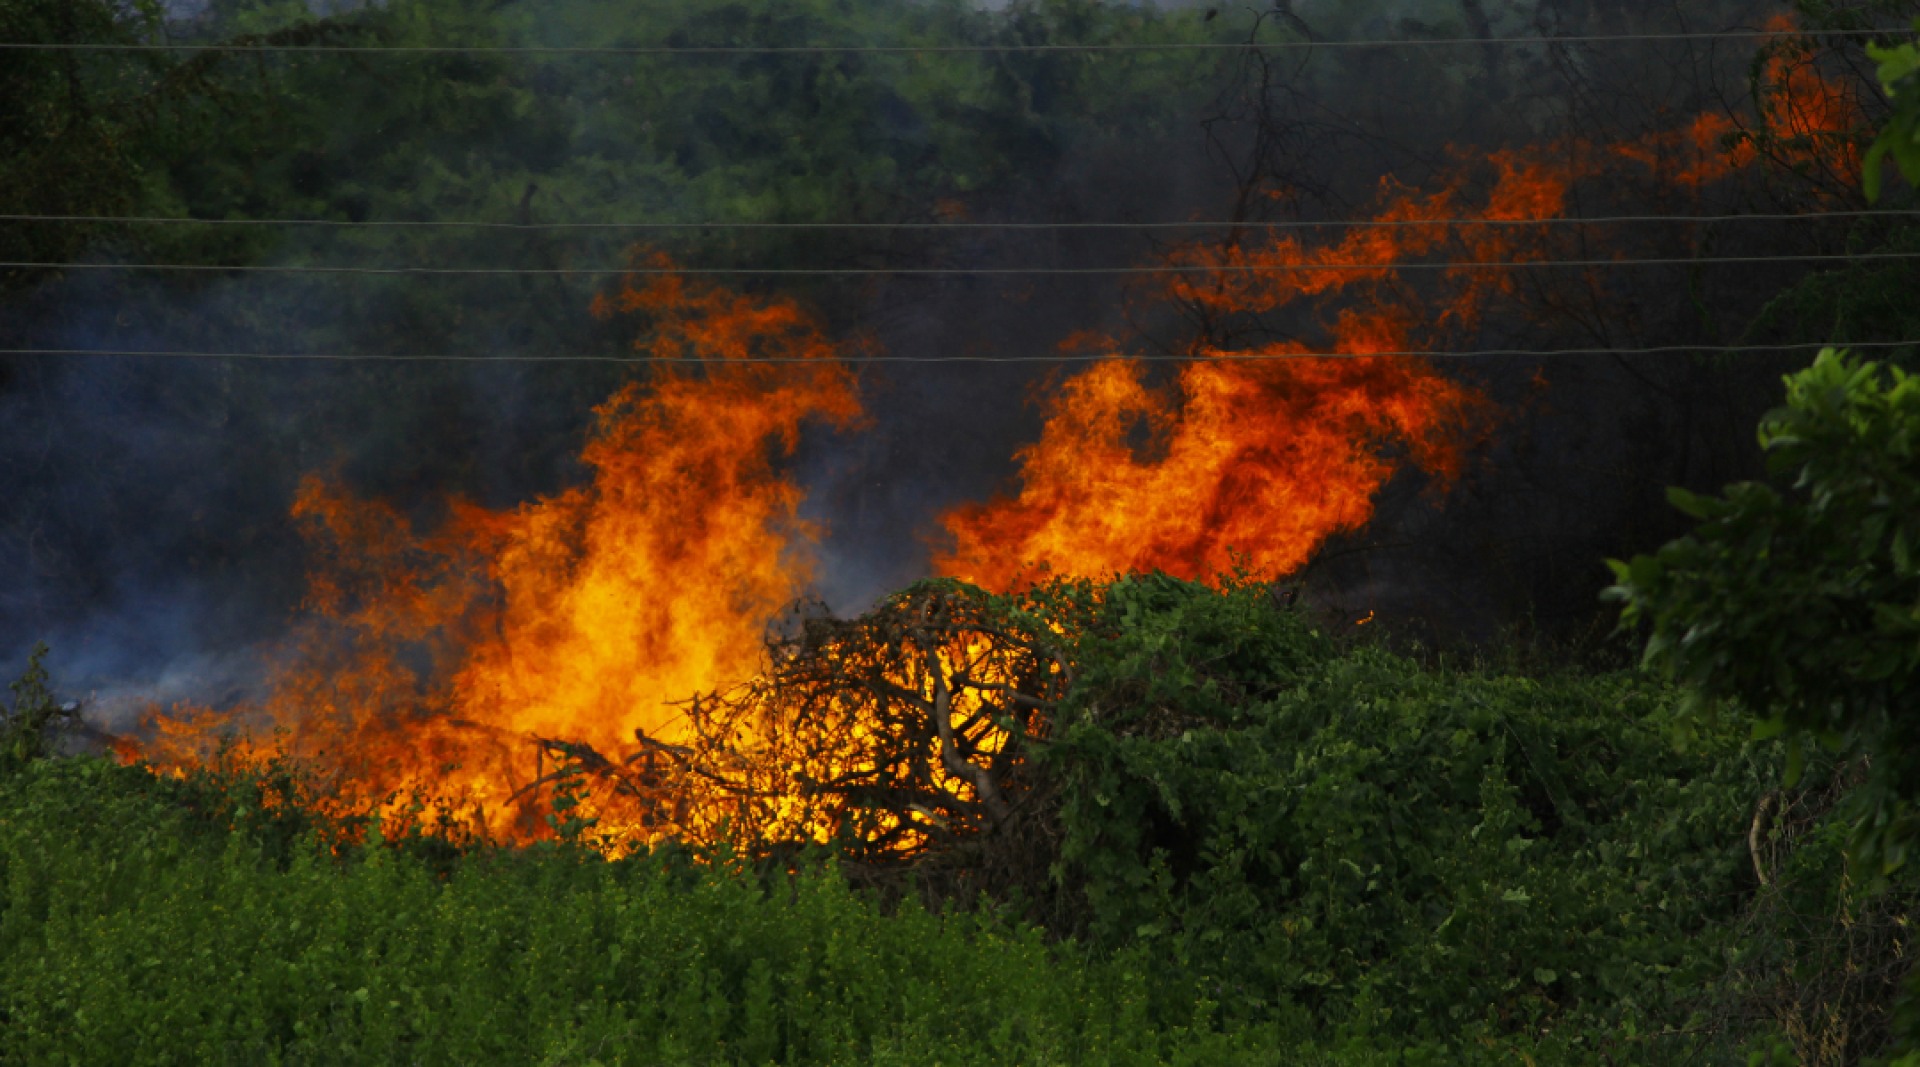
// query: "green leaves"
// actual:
[[1688, 502], [25, 728], [127, 938], [1899, 139], [1270, 834], [1800, 607], [1320, 829]]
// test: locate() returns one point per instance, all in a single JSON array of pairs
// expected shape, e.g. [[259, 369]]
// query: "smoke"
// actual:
[[188, 11], [147, 500]]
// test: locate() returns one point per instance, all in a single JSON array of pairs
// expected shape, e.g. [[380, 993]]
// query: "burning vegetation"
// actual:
[[603, 651], [1105, 727], [451, 663], [1295, 399]]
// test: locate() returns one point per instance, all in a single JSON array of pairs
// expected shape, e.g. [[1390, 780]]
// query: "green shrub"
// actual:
[[26, 728], [1899, 139], [1801, 609], [1282, 848], [129, 936], [1417, 853]]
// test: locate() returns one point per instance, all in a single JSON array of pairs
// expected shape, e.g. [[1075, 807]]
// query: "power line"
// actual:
[[1051, 358], [751, 50], [1288, 224], [930, 271]]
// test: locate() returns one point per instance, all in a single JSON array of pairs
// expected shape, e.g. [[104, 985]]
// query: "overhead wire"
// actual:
[[930, 226], [1810, 257], [1282, 224], [1062, 357], [763, 50], [948, 225]]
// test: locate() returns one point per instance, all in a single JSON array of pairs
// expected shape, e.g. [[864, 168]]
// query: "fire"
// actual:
[[1258, 452], [438, 663], [617, 629], [1254, 456], [1260, 458], [1807, 124], [1810, 124]]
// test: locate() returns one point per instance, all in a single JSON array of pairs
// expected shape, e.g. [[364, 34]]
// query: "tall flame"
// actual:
[[434, 662], [1265, 459], [1256, 455], [1258, 452]]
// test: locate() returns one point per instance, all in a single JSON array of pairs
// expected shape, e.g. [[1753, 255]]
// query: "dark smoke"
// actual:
[[146, 499]]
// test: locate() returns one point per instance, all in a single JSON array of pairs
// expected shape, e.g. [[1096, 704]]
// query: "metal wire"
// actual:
[[1290, 224], [748, 50], [925, 271], [1050, 358]]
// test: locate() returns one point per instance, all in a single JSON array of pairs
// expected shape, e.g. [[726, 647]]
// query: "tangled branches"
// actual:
[[1824, 957], [905, 737]]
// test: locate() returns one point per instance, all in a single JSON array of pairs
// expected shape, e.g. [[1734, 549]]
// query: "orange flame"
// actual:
[[1810, 124], [1807, 123], [1254, 457], [1260, 458], [1257, 460], [435, 661]]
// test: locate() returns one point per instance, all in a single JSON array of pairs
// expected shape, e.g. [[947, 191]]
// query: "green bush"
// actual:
[[1899, 139], [1422, 854], [1801, 609], [26, 728], [129, 937]]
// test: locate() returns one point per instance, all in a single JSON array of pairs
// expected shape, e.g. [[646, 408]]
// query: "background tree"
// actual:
[[1803, 607], [98, 132]]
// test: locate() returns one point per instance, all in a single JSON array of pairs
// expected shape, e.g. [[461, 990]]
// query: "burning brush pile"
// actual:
[[600, 658], [909, 734]]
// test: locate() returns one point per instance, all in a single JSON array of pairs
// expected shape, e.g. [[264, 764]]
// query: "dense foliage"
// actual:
[[1268, 838], [132, 932], [1422, 851], [497, 140], [1802, 607]]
